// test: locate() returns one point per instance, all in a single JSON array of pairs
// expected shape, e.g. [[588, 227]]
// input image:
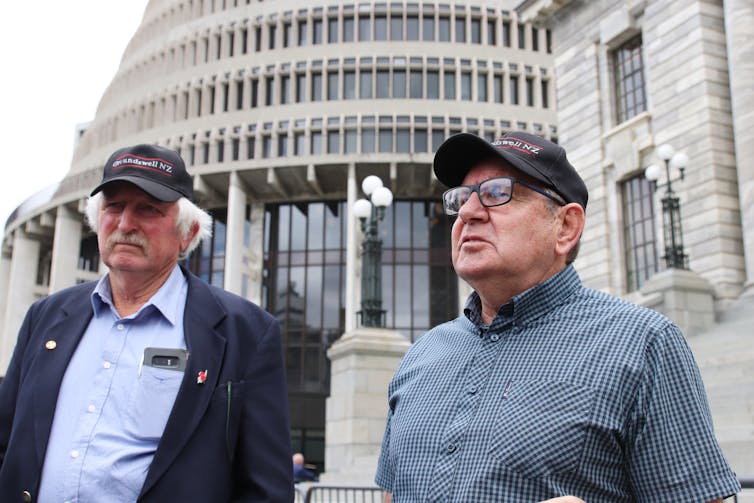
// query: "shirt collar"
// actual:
[[530, 304], [163, 301]]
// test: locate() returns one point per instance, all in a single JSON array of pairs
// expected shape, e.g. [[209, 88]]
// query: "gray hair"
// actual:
[[188, 215]]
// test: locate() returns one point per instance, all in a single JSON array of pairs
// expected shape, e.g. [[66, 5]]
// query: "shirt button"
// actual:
[[91, 408], [451, 447], [74, 454], [106, 365], [472, 390], [26, 495], [494, 337], [119, 326]]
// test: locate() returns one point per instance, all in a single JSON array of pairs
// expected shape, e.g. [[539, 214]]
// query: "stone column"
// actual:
[[20, 292], [256, 252], [363, 362], [234, 234], [353, 295], [739, 18], [65, 249]]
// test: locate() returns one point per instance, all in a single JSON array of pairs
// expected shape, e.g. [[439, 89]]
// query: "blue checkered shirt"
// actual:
[[568, 391]]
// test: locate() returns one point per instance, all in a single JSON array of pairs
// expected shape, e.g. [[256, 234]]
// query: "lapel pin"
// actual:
[[201, 377], [51, 345]]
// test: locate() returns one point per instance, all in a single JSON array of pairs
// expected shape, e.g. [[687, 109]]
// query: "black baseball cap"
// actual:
[[158, 171], [533, 155]]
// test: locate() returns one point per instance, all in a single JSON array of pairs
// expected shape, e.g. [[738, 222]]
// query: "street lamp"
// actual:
[[370, 214], [675, 258]]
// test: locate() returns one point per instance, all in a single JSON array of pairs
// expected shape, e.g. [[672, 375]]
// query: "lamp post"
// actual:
[[370, 214], [675, 257]]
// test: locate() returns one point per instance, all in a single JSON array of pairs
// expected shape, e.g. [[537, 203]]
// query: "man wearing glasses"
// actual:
[[542, 388]]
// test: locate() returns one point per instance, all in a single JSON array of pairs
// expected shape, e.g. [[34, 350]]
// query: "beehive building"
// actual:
[[280, 109]]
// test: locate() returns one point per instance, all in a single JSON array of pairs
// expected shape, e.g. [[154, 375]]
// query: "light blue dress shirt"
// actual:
[[111, 410]]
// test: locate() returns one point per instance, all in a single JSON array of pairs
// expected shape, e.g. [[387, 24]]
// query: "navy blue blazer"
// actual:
[[226, 439]]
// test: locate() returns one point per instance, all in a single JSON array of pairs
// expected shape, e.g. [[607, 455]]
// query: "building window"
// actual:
[[521, 36], [638, 230], [386, 140], [412, 27], [399, 83], [416, 84], [349, 85], [428, 27], [269, 91], [396, 26], [332, 30], [460, 29], [367, 140], [444, 29], [383, 84], [208, 259], [365, 84], [364, 28], [466, 86], [89, 254], [302, 32], [300, 88], [332, 85], [481, 87], [449, 84], [514, 89], [316, 87], [348, 29], [629, 80], [317, 28], [380, 27], [433, 84], [476, 31]]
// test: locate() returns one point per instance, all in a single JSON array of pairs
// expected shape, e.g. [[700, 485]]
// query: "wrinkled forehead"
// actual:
[[491, 167]]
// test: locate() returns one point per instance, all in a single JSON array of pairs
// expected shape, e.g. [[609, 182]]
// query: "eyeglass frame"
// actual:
[[475, 188]]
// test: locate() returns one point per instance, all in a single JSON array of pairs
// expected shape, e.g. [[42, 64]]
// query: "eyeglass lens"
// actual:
[[492, 192]]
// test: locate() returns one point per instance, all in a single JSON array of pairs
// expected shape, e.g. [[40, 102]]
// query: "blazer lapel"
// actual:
[[57, 342], [206, 350]]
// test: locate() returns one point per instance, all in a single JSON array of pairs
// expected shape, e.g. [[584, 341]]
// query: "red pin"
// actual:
[[201, 377]]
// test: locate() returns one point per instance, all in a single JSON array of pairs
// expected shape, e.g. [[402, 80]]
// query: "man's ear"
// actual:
[[572, 219], [189, 236]]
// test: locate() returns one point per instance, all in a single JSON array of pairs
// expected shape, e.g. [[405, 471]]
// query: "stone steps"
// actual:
[[725, 355]]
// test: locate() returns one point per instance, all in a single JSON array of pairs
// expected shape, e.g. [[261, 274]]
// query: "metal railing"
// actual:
[[335, 493]]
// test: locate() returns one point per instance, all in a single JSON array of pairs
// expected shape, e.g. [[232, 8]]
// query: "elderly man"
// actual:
[[149, 385], [542, 388]]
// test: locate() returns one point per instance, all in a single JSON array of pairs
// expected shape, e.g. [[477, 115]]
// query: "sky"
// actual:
[[57, 57]]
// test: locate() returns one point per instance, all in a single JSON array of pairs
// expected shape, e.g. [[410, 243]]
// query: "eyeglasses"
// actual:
[[491, 192]]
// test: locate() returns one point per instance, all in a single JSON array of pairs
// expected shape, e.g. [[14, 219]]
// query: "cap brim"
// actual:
[[461, 152], [154, 189]]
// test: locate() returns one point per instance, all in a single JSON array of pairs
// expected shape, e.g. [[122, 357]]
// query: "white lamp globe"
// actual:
[[382, 197], [370, 184], [362, 208], [680, 160], [653, 172], [665, 151]]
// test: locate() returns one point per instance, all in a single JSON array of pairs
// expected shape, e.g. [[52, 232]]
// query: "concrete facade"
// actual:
[[698, 68]]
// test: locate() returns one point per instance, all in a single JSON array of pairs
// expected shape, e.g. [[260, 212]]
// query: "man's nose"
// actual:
[[472, 209], [127, 220]]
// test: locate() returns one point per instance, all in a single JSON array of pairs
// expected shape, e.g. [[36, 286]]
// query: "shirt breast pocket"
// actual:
[[151, 402], [541, 427]]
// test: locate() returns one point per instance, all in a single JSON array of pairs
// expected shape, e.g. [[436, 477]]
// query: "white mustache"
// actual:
[[128, 239]]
